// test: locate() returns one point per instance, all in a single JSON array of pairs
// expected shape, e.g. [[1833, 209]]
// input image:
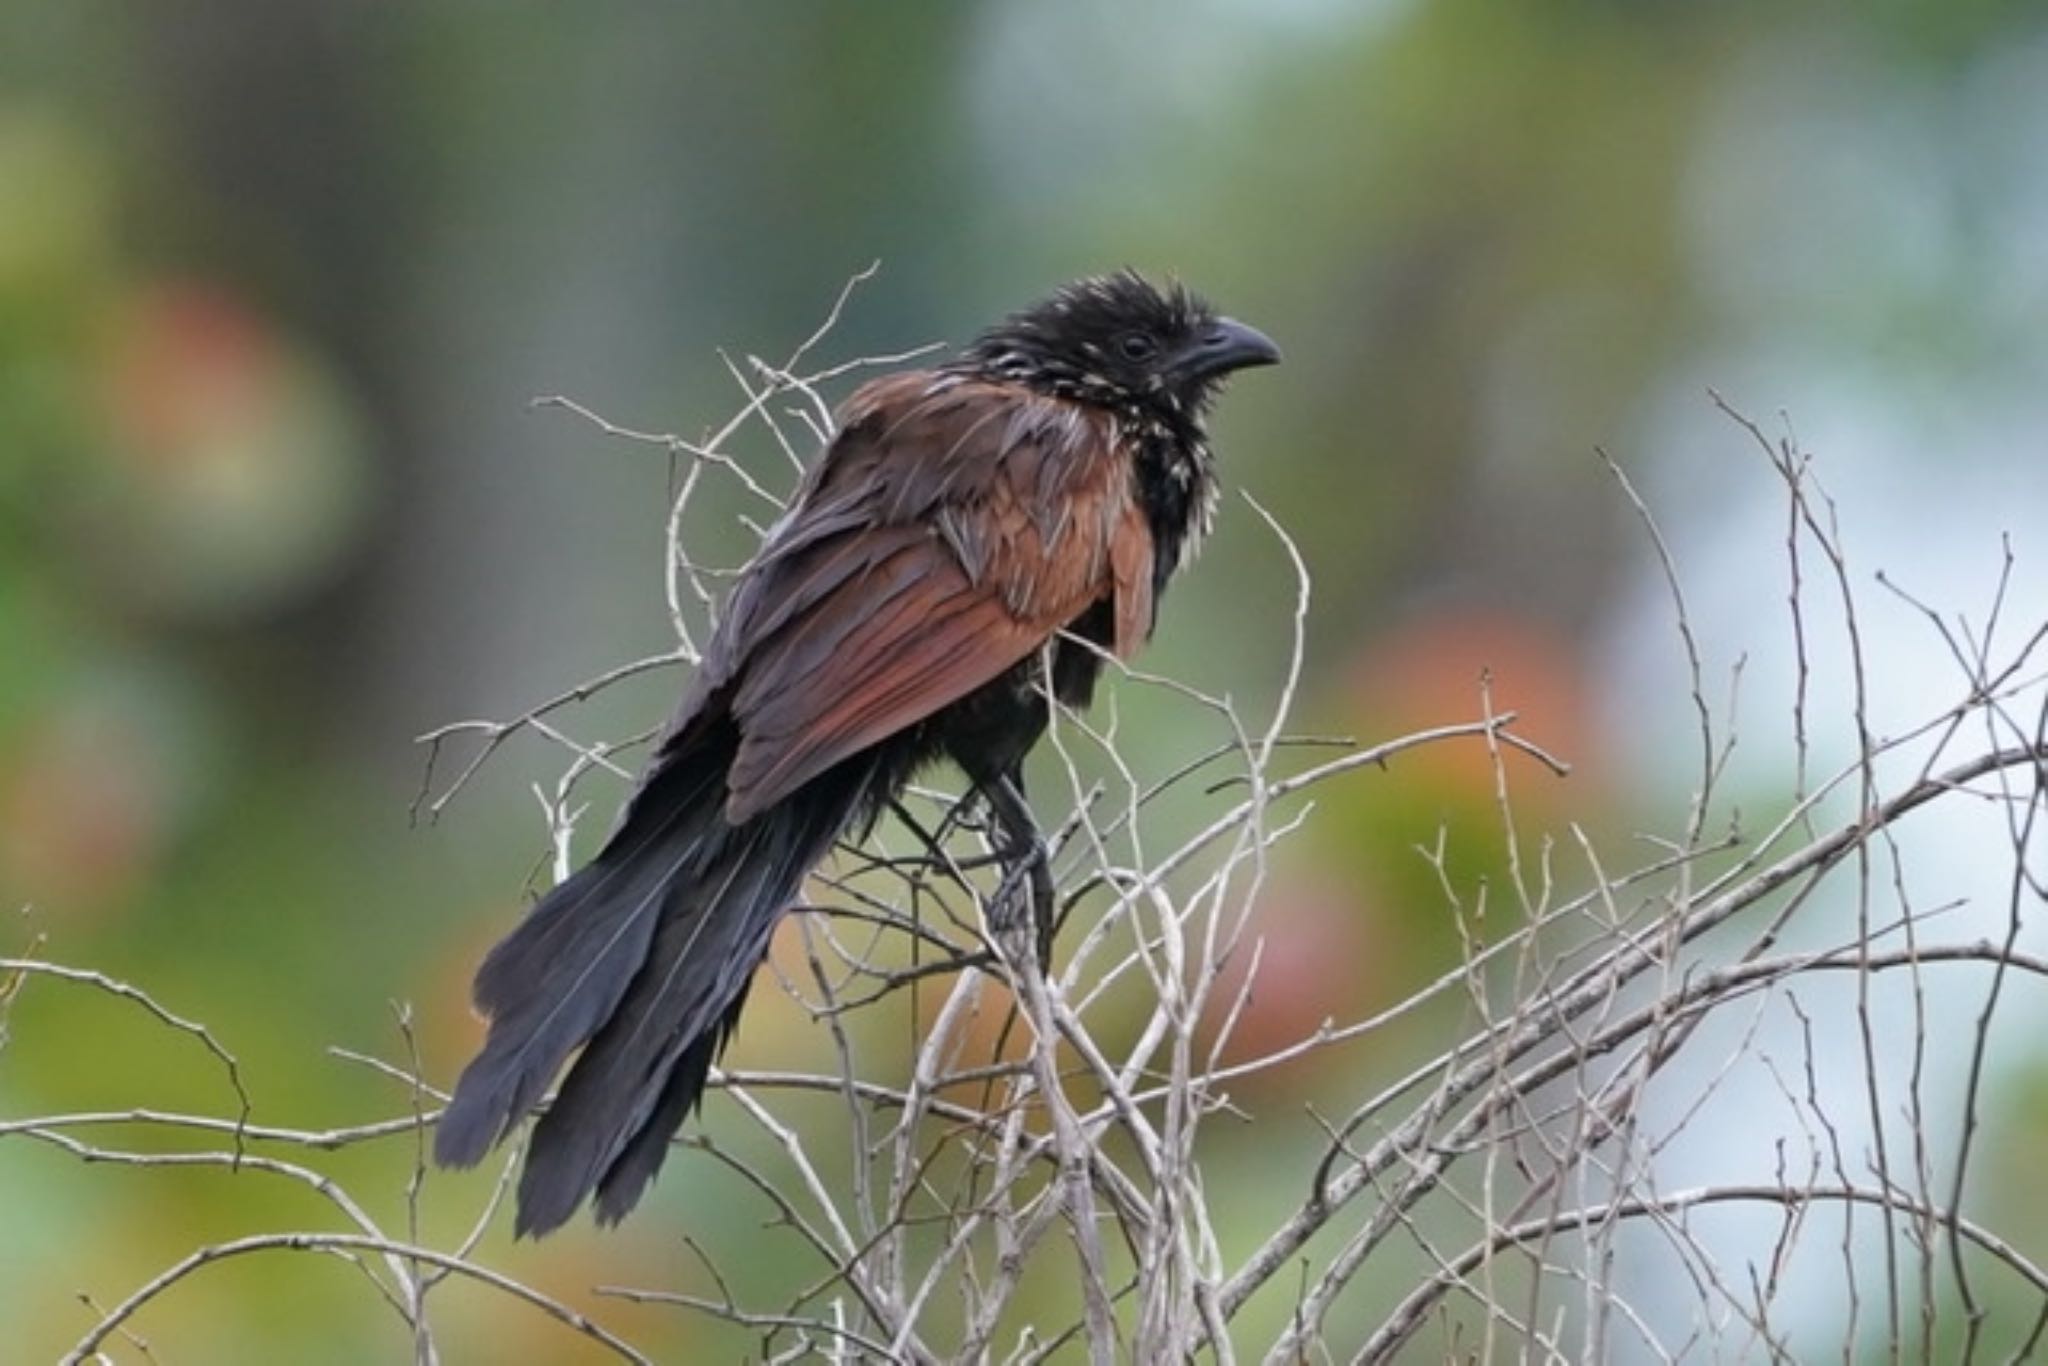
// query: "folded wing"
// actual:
[[954, 527]]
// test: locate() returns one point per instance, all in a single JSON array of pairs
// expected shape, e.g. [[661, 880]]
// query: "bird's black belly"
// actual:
[[989, 731]]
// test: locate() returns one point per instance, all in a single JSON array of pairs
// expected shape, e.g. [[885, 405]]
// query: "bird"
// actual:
[[975, 535]]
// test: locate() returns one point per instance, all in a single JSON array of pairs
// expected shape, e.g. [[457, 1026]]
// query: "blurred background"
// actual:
[[279, 278]]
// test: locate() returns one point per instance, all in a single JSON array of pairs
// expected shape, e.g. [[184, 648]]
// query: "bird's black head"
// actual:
[[1120, 341]]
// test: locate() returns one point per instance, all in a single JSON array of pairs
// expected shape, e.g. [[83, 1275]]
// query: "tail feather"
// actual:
[[642, 959], [551, 985], [609, 1126], [629, 1174], [553, 982]]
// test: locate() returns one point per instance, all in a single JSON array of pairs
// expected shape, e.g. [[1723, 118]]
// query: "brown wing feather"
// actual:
[[951, 530]]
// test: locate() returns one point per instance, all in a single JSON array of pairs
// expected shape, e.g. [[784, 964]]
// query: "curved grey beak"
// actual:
[[1225, 345]]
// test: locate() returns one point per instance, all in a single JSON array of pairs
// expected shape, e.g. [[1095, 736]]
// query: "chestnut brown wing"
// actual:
[[951, 530]]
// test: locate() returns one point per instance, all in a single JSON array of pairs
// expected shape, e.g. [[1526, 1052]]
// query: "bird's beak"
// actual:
[[1224, 345]]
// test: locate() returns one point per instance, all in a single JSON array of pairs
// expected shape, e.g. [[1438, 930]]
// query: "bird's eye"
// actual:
[[1137, 346]]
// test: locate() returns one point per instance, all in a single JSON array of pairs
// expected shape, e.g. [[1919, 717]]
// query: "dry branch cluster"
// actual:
[[1035, 1188]]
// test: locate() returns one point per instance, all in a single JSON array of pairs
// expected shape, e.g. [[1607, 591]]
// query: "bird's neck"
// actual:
[[1173, 471], [1176, 485]]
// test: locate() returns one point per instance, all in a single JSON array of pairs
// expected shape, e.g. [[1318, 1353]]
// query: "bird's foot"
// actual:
[[1025, 900]]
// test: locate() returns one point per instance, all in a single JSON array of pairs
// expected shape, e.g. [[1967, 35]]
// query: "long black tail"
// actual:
[[643, 959]]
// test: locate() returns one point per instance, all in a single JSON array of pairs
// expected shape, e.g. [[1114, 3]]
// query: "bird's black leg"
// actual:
[[1027, 862]]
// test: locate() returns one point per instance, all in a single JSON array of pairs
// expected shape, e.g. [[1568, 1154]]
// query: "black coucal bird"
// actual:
[[966, 528]]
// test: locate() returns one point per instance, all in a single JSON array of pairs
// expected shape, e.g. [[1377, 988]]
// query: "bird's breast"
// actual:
[[1175, 489]]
